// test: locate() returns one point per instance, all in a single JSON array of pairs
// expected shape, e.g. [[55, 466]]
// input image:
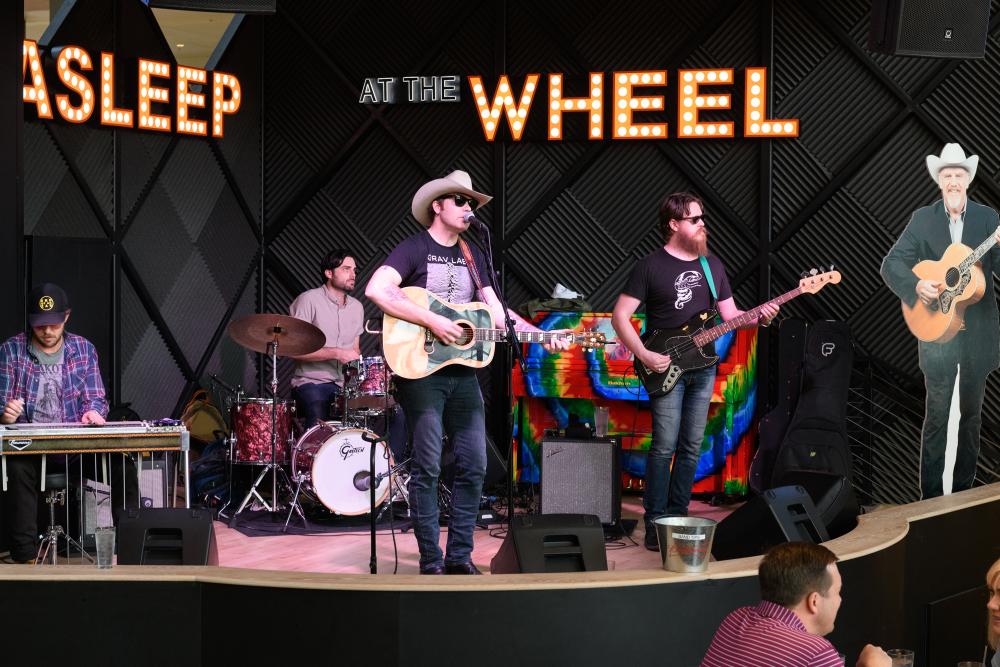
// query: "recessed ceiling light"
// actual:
[[180, 46]]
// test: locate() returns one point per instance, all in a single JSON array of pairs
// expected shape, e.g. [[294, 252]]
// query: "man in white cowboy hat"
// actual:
[[975, 351], [449, 401]]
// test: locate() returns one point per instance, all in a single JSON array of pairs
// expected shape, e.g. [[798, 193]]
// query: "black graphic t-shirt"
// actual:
[[441, 270], [675, 290]]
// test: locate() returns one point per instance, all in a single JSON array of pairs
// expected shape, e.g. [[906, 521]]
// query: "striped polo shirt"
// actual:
[[768, 635]]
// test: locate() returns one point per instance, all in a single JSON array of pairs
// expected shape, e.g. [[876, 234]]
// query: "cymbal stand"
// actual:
[[272, 465]]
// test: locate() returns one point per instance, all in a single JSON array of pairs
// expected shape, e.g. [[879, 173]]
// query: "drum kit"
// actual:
[[331, 463]]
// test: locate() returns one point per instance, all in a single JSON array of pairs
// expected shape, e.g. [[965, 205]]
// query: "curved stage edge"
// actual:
[[912, 578]]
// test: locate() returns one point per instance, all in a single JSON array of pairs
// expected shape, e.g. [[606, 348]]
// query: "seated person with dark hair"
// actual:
[[800, 597], [47, 375]]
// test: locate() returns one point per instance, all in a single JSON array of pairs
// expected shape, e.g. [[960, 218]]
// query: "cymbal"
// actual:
[[294, 336]]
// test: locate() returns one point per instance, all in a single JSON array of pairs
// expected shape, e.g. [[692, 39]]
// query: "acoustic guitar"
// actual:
[[413, 351], [964, 284], [686, 344]]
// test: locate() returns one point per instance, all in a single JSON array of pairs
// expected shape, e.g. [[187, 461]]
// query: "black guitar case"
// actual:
[[815, 444], [816, 438], [771, 431]]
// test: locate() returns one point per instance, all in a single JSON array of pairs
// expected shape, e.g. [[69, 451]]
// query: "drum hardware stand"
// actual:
[[295, 505], [395, 473], [51, 538], [236, 392], [271, 466]]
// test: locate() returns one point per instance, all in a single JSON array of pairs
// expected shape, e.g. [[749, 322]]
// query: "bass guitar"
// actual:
[[686, 345], [964, 285], [413, 351]]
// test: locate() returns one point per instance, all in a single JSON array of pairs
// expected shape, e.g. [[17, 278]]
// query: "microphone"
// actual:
[[363, 480], [471, 218]]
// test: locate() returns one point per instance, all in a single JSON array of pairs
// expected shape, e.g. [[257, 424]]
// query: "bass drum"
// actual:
[[336, 464]]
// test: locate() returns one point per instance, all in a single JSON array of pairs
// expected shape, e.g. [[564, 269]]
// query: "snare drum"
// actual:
[[336, 465], [372, 387], [251, 430]]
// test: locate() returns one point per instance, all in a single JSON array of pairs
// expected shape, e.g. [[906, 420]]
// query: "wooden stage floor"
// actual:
[[349, 552]]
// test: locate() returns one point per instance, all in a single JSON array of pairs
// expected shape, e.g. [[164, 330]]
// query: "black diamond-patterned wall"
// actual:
[[183, 214], [316, 169], [581, 212]]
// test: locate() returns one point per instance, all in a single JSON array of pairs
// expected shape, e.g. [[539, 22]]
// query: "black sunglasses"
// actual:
[[462, 200], [695, 219]]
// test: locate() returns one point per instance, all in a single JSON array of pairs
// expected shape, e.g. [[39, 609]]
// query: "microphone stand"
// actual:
[[373, 481], [515, 345]]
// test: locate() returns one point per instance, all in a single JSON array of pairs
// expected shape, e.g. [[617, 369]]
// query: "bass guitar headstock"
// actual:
[[814, 281]]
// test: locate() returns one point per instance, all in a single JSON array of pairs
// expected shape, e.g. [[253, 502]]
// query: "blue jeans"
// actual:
[[313, 400], [679, 420], [448, 402]]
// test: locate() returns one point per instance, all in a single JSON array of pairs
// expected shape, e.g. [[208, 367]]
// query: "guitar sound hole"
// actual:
[[467, 334], [952, 277]]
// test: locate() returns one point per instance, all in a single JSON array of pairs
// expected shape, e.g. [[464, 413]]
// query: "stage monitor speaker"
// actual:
[[930, 28], [833, 496], [581, 477], [552, 543], [783, 514], [174, 536], [229, 6]]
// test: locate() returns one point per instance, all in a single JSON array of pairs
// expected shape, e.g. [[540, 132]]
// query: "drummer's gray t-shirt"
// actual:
[[340, 324]]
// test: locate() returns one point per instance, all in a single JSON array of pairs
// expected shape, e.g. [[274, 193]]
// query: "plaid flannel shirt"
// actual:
[[83, 389]]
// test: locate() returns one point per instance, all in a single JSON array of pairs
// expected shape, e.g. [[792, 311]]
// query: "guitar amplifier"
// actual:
[[153, 486], [581, 477]]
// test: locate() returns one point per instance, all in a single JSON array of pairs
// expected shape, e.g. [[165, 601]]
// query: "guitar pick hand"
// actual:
[[928, 290]]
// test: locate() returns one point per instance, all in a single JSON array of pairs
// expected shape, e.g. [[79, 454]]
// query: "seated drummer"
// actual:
[[318, 375], [50, 377]]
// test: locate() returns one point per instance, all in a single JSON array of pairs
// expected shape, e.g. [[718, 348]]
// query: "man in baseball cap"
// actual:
[[47, 375]]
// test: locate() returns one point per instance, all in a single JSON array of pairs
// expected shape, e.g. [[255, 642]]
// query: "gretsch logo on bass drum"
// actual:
[[347, 451]]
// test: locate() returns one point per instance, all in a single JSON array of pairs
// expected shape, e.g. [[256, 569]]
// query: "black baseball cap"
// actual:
[[47, 304]]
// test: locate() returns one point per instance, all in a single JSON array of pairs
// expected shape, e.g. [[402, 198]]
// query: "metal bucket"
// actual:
[[685, 542]]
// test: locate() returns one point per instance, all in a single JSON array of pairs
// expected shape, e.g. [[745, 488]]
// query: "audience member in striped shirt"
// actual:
[[800, 597]]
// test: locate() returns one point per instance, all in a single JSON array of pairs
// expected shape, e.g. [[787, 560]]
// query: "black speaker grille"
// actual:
[[953, 29], [231, 6]]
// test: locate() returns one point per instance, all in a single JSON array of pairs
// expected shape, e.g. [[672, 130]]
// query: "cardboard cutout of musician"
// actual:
[[940, 268]]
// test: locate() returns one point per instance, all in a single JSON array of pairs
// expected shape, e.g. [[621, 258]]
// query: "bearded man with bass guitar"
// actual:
[[679, 282], [447, 400], [949, 229]]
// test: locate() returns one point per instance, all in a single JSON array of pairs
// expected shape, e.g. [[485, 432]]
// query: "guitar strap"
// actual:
[[471, 263], [711, 281]]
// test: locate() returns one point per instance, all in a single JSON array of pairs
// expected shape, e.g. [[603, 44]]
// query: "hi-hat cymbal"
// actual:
[[294, 336]]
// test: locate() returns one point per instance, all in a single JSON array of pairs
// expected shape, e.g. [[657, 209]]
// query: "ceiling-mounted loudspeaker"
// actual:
[[930, 28], [228, 6]]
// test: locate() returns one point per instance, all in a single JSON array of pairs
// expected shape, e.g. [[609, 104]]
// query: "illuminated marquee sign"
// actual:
[[80, 105], [698, 91]]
